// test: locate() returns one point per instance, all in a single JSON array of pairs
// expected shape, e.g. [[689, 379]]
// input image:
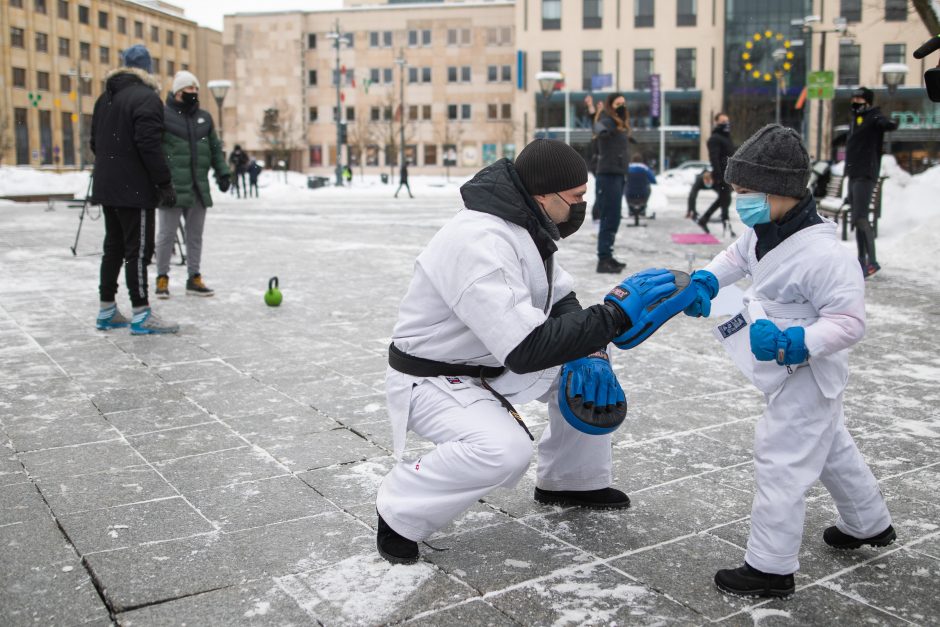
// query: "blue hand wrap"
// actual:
[[590, 397]]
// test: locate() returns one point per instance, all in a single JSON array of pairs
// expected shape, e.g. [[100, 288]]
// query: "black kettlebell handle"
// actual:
[[272, 284]]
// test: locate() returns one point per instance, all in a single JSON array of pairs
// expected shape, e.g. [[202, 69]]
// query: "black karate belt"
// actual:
[[420, 367]]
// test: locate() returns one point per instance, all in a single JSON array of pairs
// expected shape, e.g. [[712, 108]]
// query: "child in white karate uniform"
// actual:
[[805, 308]]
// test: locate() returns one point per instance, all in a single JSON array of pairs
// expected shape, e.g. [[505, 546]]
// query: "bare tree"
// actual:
[[6, 134], [387, 130], [279, 133], [359, 136]]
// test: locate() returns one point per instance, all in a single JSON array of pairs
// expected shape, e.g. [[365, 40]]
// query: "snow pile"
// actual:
[[27, 180], [909, 229]]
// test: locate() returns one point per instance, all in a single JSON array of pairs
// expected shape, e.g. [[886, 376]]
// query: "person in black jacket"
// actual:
[[239, 160], [403, 180], [611, 138], [131, 178], [863, 165], [720, 148]]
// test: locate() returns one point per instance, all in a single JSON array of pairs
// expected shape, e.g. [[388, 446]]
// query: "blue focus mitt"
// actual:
[[650, 298], [589, 395], [769, 343]]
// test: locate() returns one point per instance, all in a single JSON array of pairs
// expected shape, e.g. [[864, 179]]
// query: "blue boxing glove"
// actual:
[[768, 343], [589, 396], [706, 288]]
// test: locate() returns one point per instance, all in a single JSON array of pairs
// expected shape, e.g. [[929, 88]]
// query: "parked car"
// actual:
[[685, 172]]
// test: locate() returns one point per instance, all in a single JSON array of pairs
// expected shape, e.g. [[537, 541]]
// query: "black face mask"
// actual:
[[190, 98], [725, 127], [575, 218], [621, 112], [858, 107]]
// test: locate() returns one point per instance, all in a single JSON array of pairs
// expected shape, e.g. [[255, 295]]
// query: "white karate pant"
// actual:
[[480, 447], [801, 438]]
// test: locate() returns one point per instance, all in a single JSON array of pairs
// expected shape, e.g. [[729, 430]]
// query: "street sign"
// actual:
[[821, 85], [654, 96]]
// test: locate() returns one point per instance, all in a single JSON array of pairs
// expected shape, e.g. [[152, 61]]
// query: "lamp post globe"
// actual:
[[219, 88], [893, 75], [547, 82]]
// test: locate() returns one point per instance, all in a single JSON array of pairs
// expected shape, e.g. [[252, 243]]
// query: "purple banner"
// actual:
[[654, 96]]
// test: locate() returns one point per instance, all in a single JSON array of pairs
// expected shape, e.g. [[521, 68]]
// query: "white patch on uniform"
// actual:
[[200, 120]]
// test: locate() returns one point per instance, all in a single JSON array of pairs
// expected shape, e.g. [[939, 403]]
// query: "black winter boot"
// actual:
[[394, 547], [836, 539], [609, 265], [605, 498], [747, 581]]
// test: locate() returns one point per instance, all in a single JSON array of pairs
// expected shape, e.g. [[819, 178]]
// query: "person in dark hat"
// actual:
[[486, 322], [805, 309], [131, 179], [863, 151]]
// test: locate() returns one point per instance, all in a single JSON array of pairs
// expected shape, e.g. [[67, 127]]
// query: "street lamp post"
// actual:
[[893, 75], [339, 39], [219, 89], [547, 82], [402, 64], [779, 55], [80, 78]]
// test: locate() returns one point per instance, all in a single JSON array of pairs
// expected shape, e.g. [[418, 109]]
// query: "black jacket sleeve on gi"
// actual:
[[569, 333]]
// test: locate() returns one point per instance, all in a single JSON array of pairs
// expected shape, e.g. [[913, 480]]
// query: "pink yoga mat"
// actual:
[[694, 238]]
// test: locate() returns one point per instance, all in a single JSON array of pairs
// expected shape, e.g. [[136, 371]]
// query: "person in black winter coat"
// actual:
[[131, 177], [720, 148], [611, 133], [863, 165], [403, 180], [239, 161]]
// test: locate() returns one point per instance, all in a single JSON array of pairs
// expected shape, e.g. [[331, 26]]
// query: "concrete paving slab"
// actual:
[[169, 415], [207, 437], [71, 461], [473, 612], [60, 593], [109, 488], [219, 468]]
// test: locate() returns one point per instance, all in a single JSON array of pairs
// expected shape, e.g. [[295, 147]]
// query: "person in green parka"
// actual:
[[192, 146]]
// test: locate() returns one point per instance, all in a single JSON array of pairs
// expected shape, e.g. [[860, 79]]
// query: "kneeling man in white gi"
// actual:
[[488, 319], [804, 309]]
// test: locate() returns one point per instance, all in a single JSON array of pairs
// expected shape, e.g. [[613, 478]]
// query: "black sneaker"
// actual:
[[605, 498], [836, 539], [395, 548], [703, 224], [747, 581], [609, 265], [872, 269]]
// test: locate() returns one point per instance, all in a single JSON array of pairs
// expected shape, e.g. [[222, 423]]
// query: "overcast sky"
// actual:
[[210, 13]]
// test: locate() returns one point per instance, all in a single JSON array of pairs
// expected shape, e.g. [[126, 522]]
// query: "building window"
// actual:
[[104, 54], [19, 77], [380, 39], [22, 136], [895, 53], [492, 73], [593, 13], [685, 68], [643, 13], [155, 34], [465, 112], [412, 112], [311, 78], [551, 14], [84, 14], [65, 83], [122, 25], [895, 10], [42, 42], [171, 68], [499, 36], [85, 88], [686, 13], [351, 114], [430, 154], [84, 51], [425, 112], [375, 114], [311, 41], [102, 19], [63, 9], [465, 74], [851, 10], [551, 60], [138, 29], [18, 4], [452, 110], [506, 111], [492, 112], [458, 37], [590, 67], [849, 55], [42, 81], [170, 38], [184, 41], [156, 65], [642, 68], [65, 47], [387, 77], [39, 6], [17, 37]]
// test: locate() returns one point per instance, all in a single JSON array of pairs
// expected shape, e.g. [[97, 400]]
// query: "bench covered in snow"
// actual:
[[835, 205]]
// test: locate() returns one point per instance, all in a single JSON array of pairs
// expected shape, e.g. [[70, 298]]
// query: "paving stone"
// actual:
[[365, 589], [157, 418], [260, 603], [219, 468], [495, 557], [34, 541], [232, 398], [70, 461], [21, 502], [327, 448], [109, 488], [257, 503], [59, 593], [129, 525], [159, 446], [892, 451], [265, 426], [815, 605], [352, 484], [474, 612], [122, 398], [592, 594], [37, 433]]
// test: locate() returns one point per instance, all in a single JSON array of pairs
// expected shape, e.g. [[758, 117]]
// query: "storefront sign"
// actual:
[[912, 120]]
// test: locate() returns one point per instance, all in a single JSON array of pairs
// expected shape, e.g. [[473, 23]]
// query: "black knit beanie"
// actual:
[[548, 165], [772, 161]]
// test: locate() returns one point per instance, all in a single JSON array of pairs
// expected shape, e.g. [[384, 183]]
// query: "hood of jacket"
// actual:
[[122, 77], [498, 190]]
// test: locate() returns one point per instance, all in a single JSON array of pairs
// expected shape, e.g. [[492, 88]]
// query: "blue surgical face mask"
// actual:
[[754, 208]]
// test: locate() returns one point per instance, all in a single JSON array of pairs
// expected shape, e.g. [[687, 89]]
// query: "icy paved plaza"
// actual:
[[227, 475]]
